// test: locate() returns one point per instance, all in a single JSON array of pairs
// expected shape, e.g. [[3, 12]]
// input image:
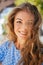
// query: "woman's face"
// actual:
[[23, 25]]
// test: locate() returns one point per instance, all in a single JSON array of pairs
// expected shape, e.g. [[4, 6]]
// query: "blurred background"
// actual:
[[6, 7]]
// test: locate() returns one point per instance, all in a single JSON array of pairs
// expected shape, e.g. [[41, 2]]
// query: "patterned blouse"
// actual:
[[9, 55]]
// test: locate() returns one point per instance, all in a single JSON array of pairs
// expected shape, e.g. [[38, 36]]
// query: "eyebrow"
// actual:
[[19, 19], [22, 20], [30, 20]]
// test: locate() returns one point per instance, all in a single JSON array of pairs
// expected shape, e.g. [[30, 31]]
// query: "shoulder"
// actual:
[[5, 43], [4, 49]]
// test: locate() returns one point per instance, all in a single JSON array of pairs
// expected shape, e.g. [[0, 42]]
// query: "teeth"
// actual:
[[23, 33]]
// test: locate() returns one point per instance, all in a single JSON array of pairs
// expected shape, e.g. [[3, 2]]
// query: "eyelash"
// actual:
[[19, 22]]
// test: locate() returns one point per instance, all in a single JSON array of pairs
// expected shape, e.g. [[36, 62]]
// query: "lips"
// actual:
[[22, 34]]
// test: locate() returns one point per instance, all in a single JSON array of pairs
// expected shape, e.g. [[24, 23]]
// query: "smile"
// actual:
[[23, 34]]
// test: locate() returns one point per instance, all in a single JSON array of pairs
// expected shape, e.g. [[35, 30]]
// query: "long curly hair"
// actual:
[[31, 51]]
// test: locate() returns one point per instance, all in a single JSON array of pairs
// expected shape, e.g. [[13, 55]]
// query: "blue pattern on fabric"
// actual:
[[9, 55]]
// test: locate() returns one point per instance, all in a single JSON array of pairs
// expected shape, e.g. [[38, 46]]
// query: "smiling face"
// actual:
[[23, 24]]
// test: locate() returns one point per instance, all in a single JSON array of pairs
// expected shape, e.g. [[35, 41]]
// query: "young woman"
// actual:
[[23, 46]]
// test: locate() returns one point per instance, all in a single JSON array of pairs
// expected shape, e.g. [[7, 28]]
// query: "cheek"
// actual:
[[29, 32], [16, 28]]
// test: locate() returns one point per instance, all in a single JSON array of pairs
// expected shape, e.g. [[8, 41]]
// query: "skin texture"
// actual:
[[23, 25]]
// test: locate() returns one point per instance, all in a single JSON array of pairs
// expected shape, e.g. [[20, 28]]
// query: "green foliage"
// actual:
[[4, 29], [18, 2], [38, 3]]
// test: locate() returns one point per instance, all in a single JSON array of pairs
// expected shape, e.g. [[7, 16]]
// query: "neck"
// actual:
[[19, 46]]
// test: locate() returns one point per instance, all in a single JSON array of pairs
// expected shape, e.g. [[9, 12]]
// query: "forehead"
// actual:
[[24, 15]]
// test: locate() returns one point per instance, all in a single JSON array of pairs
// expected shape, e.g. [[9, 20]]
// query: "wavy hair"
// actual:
[[31, 51]]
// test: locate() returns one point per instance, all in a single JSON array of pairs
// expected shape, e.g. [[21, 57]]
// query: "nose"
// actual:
[[24, 28]]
